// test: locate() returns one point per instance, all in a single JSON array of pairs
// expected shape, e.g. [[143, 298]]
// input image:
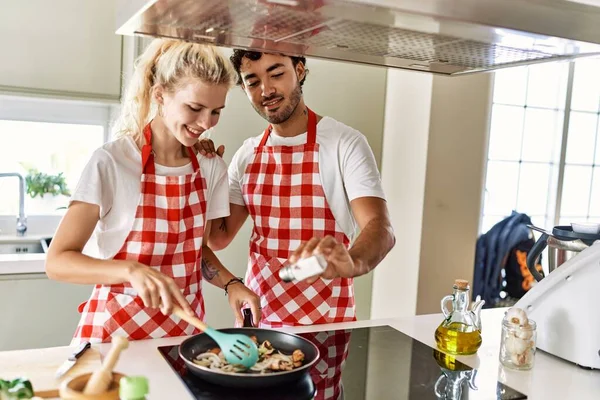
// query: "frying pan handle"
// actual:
[[247, 318], [189, 319], [534, 254]]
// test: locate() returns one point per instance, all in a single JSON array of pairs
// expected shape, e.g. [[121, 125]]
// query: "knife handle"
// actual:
[[80, 350]]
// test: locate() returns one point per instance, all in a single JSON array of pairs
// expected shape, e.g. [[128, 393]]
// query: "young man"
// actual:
[[307, 182]]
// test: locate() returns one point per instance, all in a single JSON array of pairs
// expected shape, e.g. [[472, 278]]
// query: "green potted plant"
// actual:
[[46, 191]]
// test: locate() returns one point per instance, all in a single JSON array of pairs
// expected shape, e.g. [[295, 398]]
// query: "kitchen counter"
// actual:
[[551, 378], [28, 238], [13, 264]]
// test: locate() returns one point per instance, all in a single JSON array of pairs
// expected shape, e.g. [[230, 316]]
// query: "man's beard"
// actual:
[[283, 114]]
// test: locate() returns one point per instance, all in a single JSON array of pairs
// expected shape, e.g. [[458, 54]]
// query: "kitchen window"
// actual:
[[51, 137], [544, 155]]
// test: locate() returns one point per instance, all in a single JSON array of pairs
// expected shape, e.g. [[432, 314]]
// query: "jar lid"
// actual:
[[133, 387]]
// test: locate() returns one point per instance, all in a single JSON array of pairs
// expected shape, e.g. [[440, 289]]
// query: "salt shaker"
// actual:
[[304, 268]]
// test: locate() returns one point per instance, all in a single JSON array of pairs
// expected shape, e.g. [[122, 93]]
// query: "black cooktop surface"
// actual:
[[370, 363]]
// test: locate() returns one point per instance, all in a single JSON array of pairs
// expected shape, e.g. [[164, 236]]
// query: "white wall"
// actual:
[[60, 48], [455, 176], [435, 141], [406, 132]]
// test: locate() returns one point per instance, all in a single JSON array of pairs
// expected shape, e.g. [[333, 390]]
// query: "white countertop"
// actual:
[[551, 378], [28, 238], [11, 264]]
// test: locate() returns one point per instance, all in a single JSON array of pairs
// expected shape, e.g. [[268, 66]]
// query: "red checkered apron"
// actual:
[[166, 235], [283, 193], [327, 373]]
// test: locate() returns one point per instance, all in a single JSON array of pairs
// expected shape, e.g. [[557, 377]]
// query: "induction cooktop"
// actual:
[[378, 363]]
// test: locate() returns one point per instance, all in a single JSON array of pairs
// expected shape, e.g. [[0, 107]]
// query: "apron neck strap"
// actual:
[[311, 129], [148, 154], [194, 159]]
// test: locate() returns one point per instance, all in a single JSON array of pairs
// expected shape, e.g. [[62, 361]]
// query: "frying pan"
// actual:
[[284, 342]]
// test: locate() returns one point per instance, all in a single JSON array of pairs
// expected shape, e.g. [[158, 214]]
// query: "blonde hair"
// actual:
[[166, 62]]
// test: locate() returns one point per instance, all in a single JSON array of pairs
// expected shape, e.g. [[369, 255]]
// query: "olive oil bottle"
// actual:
[[460, 332]]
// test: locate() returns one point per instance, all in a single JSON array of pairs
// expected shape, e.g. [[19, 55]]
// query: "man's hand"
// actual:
[[206, 147], [239, 295], [339, 261]]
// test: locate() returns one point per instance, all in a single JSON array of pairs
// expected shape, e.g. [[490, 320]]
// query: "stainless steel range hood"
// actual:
[[449, 37]]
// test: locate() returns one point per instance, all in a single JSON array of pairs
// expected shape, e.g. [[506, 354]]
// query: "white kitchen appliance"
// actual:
[[564, 305]]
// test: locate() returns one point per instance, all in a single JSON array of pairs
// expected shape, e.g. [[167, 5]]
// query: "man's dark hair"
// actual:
[[238, 55]]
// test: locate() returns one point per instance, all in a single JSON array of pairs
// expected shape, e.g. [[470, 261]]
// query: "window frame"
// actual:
[[556, 188], [52, 110]]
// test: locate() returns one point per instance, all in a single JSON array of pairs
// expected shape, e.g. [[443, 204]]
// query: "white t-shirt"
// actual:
[[111, 180], [347, 168]]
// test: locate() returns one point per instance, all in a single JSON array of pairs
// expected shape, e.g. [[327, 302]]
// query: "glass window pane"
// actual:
[[595, 197], [489, 221], [576, 191], [567, 221], [544, 222], [510, 86], [547, 85], [506, 132], [582, 138], [48, 147], [586, 85], [538, 220], [501, 187], [533, 189], [542, 135]]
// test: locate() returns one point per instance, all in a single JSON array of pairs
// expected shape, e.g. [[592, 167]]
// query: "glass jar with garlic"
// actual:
[[518, 341]]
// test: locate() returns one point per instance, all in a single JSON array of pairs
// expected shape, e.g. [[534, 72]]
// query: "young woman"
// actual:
[[149, 198]]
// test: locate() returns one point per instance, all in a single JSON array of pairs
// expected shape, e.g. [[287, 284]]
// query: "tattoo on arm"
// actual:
[[223, 226], [208, 270]]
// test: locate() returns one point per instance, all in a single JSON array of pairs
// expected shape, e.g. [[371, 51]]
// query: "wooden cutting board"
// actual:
[[40, 365]]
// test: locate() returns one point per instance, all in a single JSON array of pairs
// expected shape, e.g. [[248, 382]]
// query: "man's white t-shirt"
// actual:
[[111, 180], [347, 168]]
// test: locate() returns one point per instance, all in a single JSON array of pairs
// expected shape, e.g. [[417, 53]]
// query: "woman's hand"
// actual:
[[156, 289]]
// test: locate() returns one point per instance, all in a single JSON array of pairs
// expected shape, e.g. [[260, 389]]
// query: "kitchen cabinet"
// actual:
[[38, 312], [60, 48]]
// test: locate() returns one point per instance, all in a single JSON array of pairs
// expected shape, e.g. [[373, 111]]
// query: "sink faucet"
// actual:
[[21, 220]]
